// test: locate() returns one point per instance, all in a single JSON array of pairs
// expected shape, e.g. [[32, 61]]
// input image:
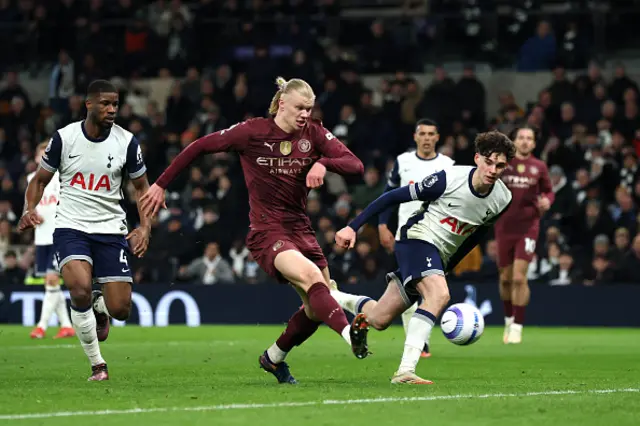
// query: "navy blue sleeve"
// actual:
[[472, 240], [394, 176], [392, 182], [430, 189], [135, 163], [52, 155]]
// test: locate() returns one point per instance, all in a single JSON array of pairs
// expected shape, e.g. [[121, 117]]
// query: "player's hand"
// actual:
[[28, 220], [543, 204], [387, 239], [151, 202], [315, 177], [139, 239], [346, 237]]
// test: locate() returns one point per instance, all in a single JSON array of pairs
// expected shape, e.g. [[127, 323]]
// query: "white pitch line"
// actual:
[[225, 407], [170, 343]]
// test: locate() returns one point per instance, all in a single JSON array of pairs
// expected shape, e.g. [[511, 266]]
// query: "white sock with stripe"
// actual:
[[418, 333]]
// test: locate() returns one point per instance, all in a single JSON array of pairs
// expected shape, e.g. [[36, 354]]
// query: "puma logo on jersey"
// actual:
[[90, 182], [270, 145]]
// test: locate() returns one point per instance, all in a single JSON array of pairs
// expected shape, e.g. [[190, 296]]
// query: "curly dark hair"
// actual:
[[495, 142]]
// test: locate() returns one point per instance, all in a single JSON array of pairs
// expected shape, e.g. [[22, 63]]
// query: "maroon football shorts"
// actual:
[[265, 245], [512, 246]]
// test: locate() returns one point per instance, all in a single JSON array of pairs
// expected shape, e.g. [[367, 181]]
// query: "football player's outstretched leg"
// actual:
[[282, 157]]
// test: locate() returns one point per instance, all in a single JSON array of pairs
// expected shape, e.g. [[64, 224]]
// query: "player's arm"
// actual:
[[336, 157], [137, 171], [235, 138], [48, 167], [472, 240], [546, 191], [430, 189], [393, 182]]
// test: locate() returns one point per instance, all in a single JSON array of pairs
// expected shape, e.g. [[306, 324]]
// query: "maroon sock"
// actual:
[[508, 308], [518, 314], [326, 308], [299, 328]]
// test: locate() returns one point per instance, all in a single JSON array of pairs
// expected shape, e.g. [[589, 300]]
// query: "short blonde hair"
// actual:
[[284, 86]]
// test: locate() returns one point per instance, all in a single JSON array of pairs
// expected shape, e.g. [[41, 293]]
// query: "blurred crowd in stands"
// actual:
[[588, 129]]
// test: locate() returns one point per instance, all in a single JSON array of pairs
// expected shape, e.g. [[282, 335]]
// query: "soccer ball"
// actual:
[[462, 324]]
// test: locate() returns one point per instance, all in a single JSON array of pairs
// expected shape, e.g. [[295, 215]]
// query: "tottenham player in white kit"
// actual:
[[92, 158], [411, 167], [459, 205], [45, 267]]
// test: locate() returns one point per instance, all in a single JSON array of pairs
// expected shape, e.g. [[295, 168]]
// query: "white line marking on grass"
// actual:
[[225, 407], [155, 343]]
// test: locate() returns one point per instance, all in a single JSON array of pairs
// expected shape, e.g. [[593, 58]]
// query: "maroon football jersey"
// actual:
[[275, 166], [527, 179]]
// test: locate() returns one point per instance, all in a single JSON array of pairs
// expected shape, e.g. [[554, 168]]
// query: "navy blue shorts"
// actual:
[[416, 259], [45, 260], [108, 254]]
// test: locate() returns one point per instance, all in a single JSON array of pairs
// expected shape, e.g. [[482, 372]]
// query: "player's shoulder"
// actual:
[[457, 173], [501, 192], [70, 131], [406, 157], [536, 162], [445, 159], [121, 134]]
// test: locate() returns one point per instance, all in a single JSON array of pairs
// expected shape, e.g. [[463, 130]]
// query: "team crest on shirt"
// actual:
[[521, 168], [428, 182], [278, 245], [534, 170], [304, 146], [285, 147]]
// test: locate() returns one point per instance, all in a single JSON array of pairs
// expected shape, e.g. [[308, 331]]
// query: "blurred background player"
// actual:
[[282, 157], [92, 157], [517, 230], [45, 266], [463, 202], [411, 167]]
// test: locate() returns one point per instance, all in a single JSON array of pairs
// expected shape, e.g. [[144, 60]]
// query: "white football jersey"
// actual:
[[456, 213], [91, 174], [408, 169], [47, 210]]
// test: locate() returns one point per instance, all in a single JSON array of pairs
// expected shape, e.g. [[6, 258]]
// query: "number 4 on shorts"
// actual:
[[123, 259]]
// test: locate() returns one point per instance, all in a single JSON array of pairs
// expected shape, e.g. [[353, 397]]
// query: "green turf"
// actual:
[[180, 367]]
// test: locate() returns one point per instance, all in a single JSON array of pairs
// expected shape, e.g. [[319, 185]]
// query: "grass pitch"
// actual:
[[210, 376]]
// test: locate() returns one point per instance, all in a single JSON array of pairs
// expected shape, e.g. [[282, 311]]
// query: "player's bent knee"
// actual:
[[309, 276], [119, 310], [519, 281], [80, 294]]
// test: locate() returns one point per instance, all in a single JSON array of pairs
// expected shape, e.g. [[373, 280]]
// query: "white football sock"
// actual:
[[406, 317], [62, 311], [100, 306], [85, 325], [349, 302], [276, 355], [508, 321], [345, 334], [49, 303], [418, 334]]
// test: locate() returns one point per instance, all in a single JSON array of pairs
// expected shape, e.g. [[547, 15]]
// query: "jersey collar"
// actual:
[[473, 191], [96, 140]]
